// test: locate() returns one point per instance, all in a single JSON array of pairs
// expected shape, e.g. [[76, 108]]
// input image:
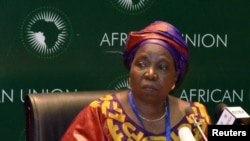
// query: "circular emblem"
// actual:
[[46, 32], [132, 7], [119, 83]]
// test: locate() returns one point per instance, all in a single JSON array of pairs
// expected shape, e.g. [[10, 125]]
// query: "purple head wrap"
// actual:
[[164, 34]]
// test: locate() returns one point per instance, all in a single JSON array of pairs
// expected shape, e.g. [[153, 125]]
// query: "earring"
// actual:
[[173, 86], [129, 86]]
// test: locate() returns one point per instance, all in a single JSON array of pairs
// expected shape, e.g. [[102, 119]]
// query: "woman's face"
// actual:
[[152, 72]]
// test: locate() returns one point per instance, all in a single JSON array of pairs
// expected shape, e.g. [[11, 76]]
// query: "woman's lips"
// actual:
[[149, 88]]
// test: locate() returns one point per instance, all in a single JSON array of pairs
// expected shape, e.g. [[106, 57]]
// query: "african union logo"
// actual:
[[46, 32], [119, 83], [132, 6]]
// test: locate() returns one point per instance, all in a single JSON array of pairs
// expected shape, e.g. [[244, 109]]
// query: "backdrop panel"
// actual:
[[65, 46]]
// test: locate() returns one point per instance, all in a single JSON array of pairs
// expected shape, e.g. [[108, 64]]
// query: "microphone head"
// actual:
[[189, 111], [234, 115], [219, 109]]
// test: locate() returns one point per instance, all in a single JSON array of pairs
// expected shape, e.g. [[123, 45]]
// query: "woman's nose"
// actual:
[[151, 74]]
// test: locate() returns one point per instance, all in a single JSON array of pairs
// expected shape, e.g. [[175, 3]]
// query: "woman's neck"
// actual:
[[150, 110]]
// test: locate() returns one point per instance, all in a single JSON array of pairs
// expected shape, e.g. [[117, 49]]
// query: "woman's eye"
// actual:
[[163, 67], [142, 64]]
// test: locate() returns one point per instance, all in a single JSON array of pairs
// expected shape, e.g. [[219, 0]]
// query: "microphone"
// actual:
[[231, 115], [190, 113], [185, 134]]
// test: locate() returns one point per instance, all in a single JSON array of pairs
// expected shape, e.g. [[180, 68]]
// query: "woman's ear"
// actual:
[[175, 79], [129, 86]]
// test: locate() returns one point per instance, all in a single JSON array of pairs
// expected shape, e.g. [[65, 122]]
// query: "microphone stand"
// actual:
[[199, 128]]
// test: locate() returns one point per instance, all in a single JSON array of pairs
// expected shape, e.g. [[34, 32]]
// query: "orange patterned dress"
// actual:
[[105, 120]]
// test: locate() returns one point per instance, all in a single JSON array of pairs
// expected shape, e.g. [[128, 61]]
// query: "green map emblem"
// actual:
[[46, 32], [132, 7], [119, 83]]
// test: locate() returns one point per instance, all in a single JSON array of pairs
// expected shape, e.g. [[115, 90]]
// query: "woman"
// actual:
[[157, 57]]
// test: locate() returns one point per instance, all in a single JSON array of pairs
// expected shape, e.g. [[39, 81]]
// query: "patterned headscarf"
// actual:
[[164, 34]]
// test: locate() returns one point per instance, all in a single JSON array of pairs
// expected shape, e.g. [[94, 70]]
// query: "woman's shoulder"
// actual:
[[198, 107], [194, 105], [198, 104], [102, 99], [200, 111], [107, 98]]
